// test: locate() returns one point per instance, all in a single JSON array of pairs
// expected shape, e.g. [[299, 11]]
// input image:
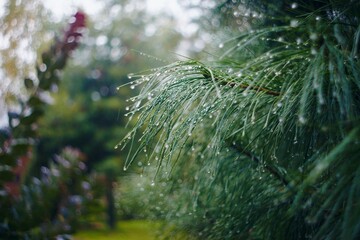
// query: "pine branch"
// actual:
[[208, 75], [255, 88], [271, 169]]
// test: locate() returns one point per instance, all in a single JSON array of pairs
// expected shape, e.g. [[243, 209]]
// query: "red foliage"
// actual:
[[73, 34]]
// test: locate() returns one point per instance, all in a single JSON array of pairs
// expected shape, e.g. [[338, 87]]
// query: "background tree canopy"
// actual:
[[88, 112]]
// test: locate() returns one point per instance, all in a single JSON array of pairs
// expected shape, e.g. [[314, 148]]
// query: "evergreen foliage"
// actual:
[[265, 139]]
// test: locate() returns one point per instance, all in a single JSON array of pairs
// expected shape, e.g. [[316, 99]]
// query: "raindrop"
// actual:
[[313, 51], [317, 18], [221, 45], [294, 23], [302, 119], [152, 184], [294, 5], [313, 36]]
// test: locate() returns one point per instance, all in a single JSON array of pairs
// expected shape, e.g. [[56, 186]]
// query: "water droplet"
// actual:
[[313, 36], [294, 23], [221, 45], [302, 119], [313, 51], [317, 18], [294, 5], [152, 184]]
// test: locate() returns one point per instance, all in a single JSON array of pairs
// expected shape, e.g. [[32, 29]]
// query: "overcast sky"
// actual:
[[63, 7]]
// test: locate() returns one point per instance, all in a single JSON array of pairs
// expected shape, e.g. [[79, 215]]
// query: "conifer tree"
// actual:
[[262, 142]]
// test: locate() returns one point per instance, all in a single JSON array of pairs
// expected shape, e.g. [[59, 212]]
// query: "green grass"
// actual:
[[127, 230]]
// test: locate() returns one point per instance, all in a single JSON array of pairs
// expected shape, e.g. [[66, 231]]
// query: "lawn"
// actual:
[[127, 230]]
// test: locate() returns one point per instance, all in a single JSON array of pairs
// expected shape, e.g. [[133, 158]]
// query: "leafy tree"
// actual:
[[88, 111], [50, 204], [20, 34], [262, 142]]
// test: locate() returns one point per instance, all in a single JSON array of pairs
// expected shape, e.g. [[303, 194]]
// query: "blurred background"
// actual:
[[241, 116], [60, 123]]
